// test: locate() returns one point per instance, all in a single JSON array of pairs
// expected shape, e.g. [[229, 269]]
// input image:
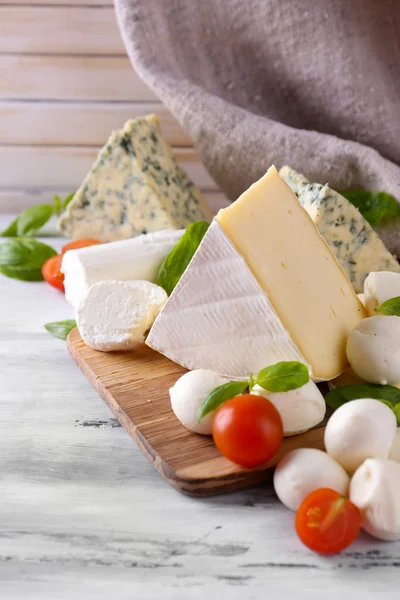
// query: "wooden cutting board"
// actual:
[[135, 387]]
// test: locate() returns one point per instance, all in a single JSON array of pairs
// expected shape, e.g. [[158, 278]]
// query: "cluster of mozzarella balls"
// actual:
[[362, 462]]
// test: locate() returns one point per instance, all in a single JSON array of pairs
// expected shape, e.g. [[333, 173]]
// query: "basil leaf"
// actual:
[[283, 376], [33, 218], [390, 307], [345, 393], [22, 258], [11, 230], [396, 410], [58, 204], [67, 200], [60, 329], [219, 395], [176, 262], [374, 206]]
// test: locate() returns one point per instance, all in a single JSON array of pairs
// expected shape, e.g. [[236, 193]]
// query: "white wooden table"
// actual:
[[84, 515]]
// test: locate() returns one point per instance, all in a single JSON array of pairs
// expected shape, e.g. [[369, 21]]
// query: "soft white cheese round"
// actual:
[[394, 453], [375, 490], [373, 349], [300, 409], [305, 470], [115, 315], [134, 259], [379, 287], [187, 395], [359, 430]]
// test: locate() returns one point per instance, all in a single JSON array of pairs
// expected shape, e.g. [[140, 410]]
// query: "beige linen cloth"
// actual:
[[310, 83]]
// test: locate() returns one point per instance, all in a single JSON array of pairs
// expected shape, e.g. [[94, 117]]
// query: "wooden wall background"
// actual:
[[65, 83]]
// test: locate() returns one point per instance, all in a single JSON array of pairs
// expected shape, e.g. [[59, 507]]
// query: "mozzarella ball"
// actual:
[[305, 470], [359, 430], [379, 287], [394, 453], [373, 349], [300, 409], [375, 490], [187, 395]]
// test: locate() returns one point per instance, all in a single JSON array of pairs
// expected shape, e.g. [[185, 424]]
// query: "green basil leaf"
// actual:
[[60, 329], [283, 376], [58, 204], [345, 393], [396, 410], [22, 258], [219, 395], [176, 262], [67, 200], [11, 230], [33, 218], [390, 307], [374, 206]]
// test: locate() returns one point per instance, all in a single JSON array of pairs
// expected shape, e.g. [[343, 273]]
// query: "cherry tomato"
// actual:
[[248, 430], [52, 273], [326, 522], [79, 244]]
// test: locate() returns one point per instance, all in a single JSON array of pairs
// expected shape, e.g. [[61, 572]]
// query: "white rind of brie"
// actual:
[[126, 260], [219, 304]]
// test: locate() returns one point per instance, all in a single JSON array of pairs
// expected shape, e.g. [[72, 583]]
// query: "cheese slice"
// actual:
[[135, 186], [137, 258], [262, 287], [358, 249]]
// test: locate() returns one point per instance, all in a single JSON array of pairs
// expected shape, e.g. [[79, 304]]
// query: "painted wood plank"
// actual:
[[81, 124], [66, 166], [59, 30], [13, 201], [70, 78]]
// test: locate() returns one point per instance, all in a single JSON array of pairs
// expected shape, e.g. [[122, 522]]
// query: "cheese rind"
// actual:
[[137, 258], [358, 249], [135, 186], [219, 318], [294, 265]]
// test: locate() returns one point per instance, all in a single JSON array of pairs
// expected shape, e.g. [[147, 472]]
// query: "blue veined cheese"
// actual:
[[135, 186], [358, 249]]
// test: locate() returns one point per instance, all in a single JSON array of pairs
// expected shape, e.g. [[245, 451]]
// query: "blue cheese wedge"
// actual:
[[358, 249], [135, 186]]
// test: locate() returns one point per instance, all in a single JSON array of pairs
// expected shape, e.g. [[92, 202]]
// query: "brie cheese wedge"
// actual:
[[263, 287]]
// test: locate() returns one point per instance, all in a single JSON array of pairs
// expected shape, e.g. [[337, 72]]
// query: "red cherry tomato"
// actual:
[[326, 522], [52, 273], [79, 244], [248, 430]]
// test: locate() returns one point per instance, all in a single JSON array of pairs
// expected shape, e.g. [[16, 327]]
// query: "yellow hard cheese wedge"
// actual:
[[262, 287]]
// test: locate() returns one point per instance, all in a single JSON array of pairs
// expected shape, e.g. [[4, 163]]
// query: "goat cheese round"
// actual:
[[373, 349], [303, 471], [394, 453], [115, 315], [379, 287], [187, 395], [359, 430], [375, 490], [300, 409]]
